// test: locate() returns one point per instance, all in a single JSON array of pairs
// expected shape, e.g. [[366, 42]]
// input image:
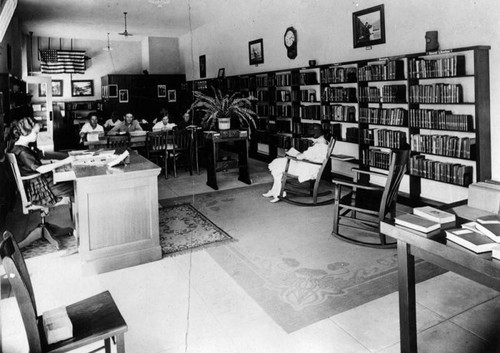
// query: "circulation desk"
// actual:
[[117, 214]]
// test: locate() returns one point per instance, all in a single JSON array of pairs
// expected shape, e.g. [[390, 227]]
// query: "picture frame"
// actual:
[[368, 27], [42, 90], [256, 51], [113, 91], [221, 73], [203, 66], [82, 88], [172, 95], [57, 88], [162, 91], [123, 96]]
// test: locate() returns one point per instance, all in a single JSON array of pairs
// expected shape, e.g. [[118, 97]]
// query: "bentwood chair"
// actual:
[[93, 319], [156, 148], [44, 229], [178, 146], [118, 141], [295, 192], [366, 204]]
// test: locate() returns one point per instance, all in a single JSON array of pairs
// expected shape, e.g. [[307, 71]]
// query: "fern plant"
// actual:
[[232, 106]]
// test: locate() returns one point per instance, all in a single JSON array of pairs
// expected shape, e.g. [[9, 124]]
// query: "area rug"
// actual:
[[182, 228], [288, 262]]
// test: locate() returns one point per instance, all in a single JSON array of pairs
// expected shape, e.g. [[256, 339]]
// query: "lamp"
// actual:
[[108, 48], [159, 3]]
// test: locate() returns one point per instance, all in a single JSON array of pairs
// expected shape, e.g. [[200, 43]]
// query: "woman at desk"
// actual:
[[41, 189], [164, 124], [92, 127], [128, 125]]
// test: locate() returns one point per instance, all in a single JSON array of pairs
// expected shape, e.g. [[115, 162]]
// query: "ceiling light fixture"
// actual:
[[108, 48], [125, 33], [159, 3]]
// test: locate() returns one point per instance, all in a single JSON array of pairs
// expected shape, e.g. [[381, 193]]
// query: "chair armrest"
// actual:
[[29, 177], [303, 160], [359, 171], [355, 185]]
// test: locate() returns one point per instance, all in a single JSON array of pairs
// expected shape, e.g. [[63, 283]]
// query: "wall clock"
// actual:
[[290, 41]]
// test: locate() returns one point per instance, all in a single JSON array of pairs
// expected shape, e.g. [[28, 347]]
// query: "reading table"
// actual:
[[435, 250]]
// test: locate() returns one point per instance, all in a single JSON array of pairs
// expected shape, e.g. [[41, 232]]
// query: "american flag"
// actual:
[[62, 61]]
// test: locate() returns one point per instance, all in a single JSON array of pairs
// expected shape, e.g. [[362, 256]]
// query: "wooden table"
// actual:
[[135, 141], [117, 214], [436, 251], [241, 145]]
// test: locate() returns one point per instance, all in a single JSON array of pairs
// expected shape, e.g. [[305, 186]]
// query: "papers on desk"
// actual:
[[118, 159], [63, 173], [93, 136]]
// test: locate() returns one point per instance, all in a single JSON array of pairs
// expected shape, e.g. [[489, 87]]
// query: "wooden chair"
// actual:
[[156, 148], [44, 229], [290, 184], [94, 319], [118, 141], [373, 201], [178, 146]]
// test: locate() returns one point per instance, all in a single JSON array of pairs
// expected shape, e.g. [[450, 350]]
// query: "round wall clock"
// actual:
[[290, 41]]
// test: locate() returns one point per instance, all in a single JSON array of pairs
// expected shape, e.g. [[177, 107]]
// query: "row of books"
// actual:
[[436, 93], [384, 138], [389, 94], [453, 173], [288, 79], [308, 95], [262, 110], [284, 126], [308, 78], [335, 130], [375, 157], [440, 119], [352, 134], [390, 70], [286, 96], [383, 116], [262, 81], [284, 141], [339, 113], [338, 74], [310, 112], [445, 145], [339, 94], [263, 96], [442, 67], [285, 110]]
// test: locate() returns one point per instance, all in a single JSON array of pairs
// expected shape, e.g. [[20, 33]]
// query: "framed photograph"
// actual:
[[57, 88], [113, 91], [221, 73], [256, 52], [368, 27], [82, 88], [162, 91], [123, 96], [172, 95], [42, 90], [203, 66]]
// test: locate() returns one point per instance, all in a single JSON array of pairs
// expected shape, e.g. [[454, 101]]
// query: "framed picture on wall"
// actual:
[[368, 27], [256, 52], [221, 73], [82, 88], [203, 66], [57, 88], [113, 91], [172, 95], [42, 90], [162, 91], [123, 96]]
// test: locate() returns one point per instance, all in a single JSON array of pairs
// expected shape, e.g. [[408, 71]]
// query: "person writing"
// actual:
[[92, 127], [40, 190], [164, 125], [129, 124], [304, 171]]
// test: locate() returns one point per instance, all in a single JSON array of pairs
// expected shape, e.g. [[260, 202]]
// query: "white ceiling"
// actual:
[[93, 19]]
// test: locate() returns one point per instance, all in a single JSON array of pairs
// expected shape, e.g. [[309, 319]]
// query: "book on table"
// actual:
[[475, 241], [57, 325], [292, 152], [434, 214], [418, 223], [490, 226], [431, 234]]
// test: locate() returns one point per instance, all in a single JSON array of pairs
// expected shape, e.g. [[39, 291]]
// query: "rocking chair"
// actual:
[[373, 201]]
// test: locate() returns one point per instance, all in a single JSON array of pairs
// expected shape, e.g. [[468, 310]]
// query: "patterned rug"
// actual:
[[182, 228]]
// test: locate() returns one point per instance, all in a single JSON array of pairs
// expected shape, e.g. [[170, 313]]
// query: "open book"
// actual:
[[292, 152]]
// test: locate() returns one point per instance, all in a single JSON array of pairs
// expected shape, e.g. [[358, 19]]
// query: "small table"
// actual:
[[436, 251], [241, 143]]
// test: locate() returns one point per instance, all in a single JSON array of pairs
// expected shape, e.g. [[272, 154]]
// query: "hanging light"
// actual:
[[108, 48], [159, 3]]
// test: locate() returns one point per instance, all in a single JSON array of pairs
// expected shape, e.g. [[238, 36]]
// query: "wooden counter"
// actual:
[[117, 214]]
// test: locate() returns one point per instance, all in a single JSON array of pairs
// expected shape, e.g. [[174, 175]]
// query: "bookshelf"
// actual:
[[437, 103]]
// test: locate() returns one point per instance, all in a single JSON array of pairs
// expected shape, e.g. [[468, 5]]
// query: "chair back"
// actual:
[[182, 139], [331, 145], [19, 279], [117, 141], [397, 169], [156, 141], [19, 181]]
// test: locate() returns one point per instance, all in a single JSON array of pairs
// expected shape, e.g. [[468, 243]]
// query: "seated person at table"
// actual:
[[128, 125], [164, 125], [304, 171], [92, 127], [163, 113], [40, 190], [113, 121]]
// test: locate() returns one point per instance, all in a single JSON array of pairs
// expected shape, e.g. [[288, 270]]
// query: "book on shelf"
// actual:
[[57, 325], [417, 223], [472, 240], [434, 214], [490, 226]]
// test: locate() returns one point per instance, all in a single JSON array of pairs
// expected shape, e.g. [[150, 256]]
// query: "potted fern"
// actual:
[[224, 111]]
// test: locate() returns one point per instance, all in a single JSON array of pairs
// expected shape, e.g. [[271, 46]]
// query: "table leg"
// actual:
[[244, 175], [211, 166], [120, 343], [407, 302]]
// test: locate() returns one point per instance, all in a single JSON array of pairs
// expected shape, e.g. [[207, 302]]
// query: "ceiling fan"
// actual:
[[125, 33]]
